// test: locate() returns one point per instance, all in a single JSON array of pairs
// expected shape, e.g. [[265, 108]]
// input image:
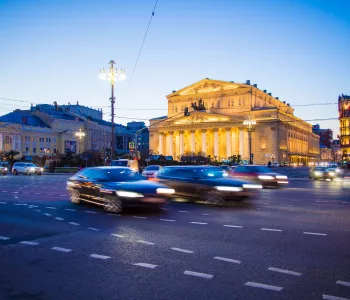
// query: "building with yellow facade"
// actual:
[[214, 126], [344, 120]]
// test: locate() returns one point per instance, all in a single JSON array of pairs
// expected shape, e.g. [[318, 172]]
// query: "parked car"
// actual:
[[26, 168], [206, 183], [132, 164], [261, 175], [115, 187], [151, 171], [321, 173], [3, 170]]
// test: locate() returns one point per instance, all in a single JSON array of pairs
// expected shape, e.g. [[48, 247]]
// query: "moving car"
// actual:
[[3, 170], [151, 171], [115, 187], [26, 168], [321, 173], [209, 184], [261, 175], [132, 164]]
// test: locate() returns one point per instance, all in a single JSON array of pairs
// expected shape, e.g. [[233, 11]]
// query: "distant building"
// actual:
[[336, 153], [140, 136], [344, 121], [326, 135]]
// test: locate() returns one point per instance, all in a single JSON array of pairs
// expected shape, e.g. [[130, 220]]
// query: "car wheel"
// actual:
[[15, 172], [28, 173], [113, 204], [4, 174], [214, 198], [39, 174], [74, 196]]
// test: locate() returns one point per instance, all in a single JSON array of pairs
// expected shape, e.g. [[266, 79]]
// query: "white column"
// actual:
[[216, 143], [161, 140], [0, 141], [193, 145], [234, 143], [228, 142], [170, 144], [181, 141], [241, 143], [13, 142], [204, 142], [177, 145]]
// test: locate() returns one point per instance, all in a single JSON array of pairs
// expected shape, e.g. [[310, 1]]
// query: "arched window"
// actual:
[[229, 102], [7, 143]]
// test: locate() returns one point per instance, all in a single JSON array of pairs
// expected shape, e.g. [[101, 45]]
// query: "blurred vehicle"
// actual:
[[209, 184], [321, 172], [115, 187], [227, 169], [346, 181], [285, 164], [151, 171], [260, 174], [3, 170], [334, 168], [26, 168], [273, 165], [132, 164]]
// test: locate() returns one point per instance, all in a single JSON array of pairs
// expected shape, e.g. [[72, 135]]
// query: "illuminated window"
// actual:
[[218, 103]]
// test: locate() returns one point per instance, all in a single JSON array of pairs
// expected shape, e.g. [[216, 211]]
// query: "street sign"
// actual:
[[131, 145]]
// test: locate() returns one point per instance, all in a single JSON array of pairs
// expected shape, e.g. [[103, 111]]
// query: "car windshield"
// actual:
[[152, 168], [212, 173], [119, 163], [320, 169], [115, 175], [259, 169]]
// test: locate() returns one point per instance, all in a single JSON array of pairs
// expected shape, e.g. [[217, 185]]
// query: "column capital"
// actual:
[[204, 131], [228, 129], [216, 129], [192, 131], [181, 131], [161, 133], [171, 132]]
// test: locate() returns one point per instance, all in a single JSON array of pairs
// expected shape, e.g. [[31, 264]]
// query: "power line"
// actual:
[[143, 42]]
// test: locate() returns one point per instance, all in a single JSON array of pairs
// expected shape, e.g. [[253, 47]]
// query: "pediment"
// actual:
[[198, 117]]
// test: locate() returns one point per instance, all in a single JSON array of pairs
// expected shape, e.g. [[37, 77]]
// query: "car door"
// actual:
[[88, 185]]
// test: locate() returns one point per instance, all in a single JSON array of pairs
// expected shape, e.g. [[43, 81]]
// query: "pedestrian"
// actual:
[[51, 167], [269, 164]]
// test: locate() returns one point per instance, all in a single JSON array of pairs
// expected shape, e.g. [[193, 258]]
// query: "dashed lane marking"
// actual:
[[271, 229], [182, 250], [118, 235], [315, 233], [3, 202], [202, 275], [284, 271], [137, 217], [183, 211], [4, 191], [116, 215], [199, 223], [145, 242], [330, 297], [227, 259], [167, 220], [46, 214], [93, 229], [38, 210], [264, 286], [145, 265], [4, 238], [99, 256], [346, 283], [233, 226], [90, 212], [50, 207], [59, 219], [69, 209], [61, 249], [63, 195], [73, 223], [206, 214], [29, 243]]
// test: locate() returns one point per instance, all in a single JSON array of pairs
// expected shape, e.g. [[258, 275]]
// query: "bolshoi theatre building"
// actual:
[[207, 118]]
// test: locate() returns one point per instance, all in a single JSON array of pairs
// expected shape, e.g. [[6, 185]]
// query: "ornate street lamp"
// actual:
[[80, 134], [112, 75], [249, 123]]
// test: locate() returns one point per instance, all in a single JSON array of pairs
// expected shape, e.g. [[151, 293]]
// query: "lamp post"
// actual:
[[112, 75], [80, 134], [249, 123]]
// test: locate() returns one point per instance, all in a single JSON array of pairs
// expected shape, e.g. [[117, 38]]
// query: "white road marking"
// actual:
[[59, 219], [314, 233], [228, 259], [38, 210], [91, 212], [206, 214], [37, 193], [284, 271], [69, 209], [346, 283], [61, 249], [329, 297], [3, 202], [49, 194], [15, 192], [29, 243], [149, 266], [63, 195], [33, 206], [4, 238], [17, 204], [199, 223], [118, 235], [50, 207], [4, 191], [271, 229], [99, 256], [145, 242], [182, 250], [73, 223], [233, 226], [167, 220], [183, 211], [116, 215], [94, 229], [137, 217], [46, 214], [202, 275], [264, 286]]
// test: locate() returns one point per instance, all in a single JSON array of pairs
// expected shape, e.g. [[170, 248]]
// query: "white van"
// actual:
[[132, 164]]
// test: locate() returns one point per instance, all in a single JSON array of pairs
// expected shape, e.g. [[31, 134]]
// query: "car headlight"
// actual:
[[229, 188], [42, 169], [32, 169], [225, 174], [318, 173], [106, 191], [337, 170], [331, 173], [5, 169], [252, 186], [165, 191], [129, 194], [281, 177], [265, 177]]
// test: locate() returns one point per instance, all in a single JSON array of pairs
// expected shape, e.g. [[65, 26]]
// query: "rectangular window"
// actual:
[[34, 150]]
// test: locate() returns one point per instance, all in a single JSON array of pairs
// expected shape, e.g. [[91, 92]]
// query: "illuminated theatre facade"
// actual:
[[214, 125]]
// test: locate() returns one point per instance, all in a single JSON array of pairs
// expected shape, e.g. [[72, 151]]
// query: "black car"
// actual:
[[114, 187], [206, 183]]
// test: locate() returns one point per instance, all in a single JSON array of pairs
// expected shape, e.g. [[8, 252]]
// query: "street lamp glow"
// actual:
[[80, 134], [249, 123]]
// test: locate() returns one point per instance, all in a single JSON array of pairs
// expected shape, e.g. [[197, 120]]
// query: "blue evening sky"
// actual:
[[52, 50]]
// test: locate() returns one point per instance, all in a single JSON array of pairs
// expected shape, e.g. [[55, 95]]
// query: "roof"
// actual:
[[159, 118], [23, 117]]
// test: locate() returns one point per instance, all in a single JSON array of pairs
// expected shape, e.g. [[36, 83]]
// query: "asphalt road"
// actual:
[[292, 243]]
